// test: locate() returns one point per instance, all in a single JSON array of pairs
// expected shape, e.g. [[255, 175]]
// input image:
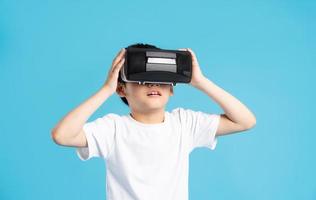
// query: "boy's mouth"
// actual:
[[154, 93]]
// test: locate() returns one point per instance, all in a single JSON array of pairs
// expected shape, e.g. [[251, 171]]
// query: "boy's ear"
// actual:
[[120, 89]]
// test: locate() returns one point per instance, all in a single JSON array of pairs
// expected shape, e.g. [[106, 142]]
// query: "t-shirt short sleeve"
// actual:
[[201, 128], [100, 135]]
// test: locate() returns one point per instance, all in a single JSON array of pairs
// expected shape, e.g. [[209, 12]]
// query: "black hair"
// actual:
[[137, 45]]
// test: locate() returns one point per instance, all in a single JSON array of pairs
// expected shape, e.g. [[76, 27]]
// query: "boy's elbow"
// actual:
[[56, 137], [251, 124]]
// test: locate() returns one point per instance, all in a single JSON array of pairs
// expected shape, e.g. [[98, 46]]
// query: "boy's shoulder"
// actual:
[[177, 112], [182, 110], [109, 116]]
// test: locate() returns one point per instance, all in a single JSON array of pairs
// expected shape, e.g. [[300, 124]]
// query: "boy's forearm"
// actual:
[[233, 108], [73, 122]]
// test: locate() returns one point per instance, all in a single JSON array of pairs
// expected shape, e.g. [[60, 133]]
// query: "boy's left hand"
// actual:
[[197, 75]]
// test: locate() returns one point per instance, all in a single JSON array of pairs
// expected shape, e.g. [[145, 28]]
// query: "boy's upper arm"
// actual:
[[226, 126], [79, 140]]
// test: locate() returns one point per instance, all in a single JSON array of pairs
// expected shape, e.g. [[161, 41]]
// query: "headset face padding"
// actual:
[[144, 65]]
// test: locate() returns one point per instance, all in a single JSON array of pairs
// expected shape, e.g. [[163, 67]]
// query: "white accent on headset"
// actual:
[[162, 60]]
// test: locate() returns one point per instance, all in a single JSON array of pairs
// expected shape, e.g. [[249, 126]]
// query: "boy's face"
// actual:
[[139, 98]]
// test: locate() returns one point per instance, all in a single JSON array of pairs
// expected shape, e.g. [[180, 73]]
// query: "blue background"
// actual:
[[56, 54]]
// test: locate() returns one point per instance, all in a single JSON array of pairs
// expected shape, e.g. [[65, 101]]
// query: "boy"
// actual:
[[147, 151]]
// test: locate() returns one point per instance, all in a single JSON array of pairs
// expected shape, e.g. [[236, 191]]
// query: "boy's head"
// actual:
[[137, 95]]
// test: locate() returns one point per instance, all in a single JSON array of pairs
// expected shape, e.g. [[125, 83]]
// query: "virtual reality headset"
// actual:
[[147, 65]]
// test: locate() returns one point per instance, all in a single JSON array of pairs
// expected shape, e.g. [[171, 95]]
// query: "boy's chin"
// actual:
[[155, 105]]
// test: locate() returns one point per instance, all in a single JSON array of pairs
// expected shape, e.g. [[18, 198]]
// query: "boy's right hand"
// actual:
[[113, 73]]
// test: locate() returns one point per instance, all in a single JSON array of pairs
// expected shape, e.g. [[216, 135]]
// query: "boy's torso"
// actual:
[[147, 160]]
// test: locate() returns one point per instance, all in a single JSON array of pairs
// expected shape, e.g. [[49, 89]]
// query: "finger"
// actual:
[[193, 54], [191, 51], [119, 65], [117, 60], [119, 56]]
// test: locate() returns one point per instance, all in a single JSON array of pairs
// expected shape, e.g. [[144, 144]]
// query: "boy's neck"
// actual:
[[152, 117]]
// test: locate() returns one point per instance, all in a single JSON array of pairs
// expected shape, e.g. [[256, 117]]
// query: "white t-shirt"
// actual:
[[148, 161]]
